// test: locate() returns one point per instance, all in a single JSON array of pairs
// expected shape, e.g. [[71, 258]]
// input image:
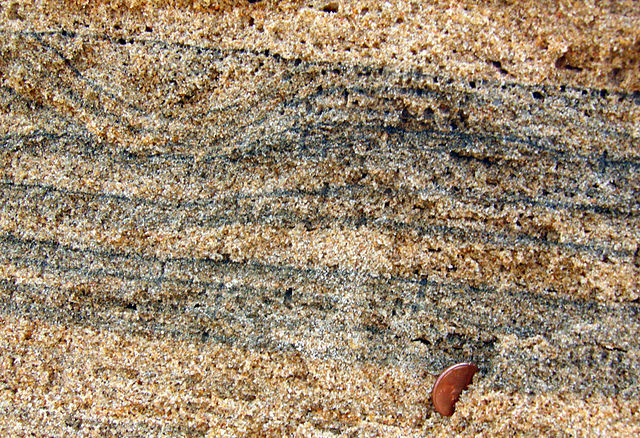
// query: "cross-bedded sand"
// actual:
[[286, 218]]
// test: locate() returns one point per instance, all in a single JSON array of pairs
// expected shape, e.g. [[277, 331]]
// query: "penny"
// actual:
[[449, 385]]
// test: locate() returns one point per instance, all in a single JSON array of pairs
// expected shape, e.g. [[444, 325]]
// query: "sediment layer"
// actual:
[[239, 234]]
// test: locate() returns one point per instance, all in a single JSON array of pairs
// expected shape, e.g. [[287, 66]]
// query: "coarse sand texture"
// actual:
[[287, 218]]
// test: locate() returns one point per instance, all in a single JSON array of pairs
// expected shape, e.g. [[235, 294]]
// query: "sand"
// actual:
[[286, 218]]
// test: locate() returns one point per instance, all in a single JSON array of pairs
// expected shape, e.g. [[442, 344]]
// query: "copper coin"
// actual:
[[449, 385]]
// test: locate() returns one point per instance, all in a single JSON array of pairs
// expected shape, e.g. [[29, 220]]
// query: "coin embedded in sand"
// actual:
[[449, 385]]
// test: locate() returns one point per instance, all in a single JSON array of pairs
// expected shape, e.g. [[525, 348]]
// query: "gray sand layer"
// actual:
[[286, 218]]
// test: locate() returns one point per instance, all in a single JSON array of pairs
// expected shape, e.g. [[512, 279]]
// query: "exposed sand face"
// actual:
[[580, 43], [287, 218]]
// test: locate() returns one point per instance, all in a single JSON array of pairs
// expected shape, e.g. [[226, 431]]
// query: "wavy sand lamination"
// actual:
[[286, 218]]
